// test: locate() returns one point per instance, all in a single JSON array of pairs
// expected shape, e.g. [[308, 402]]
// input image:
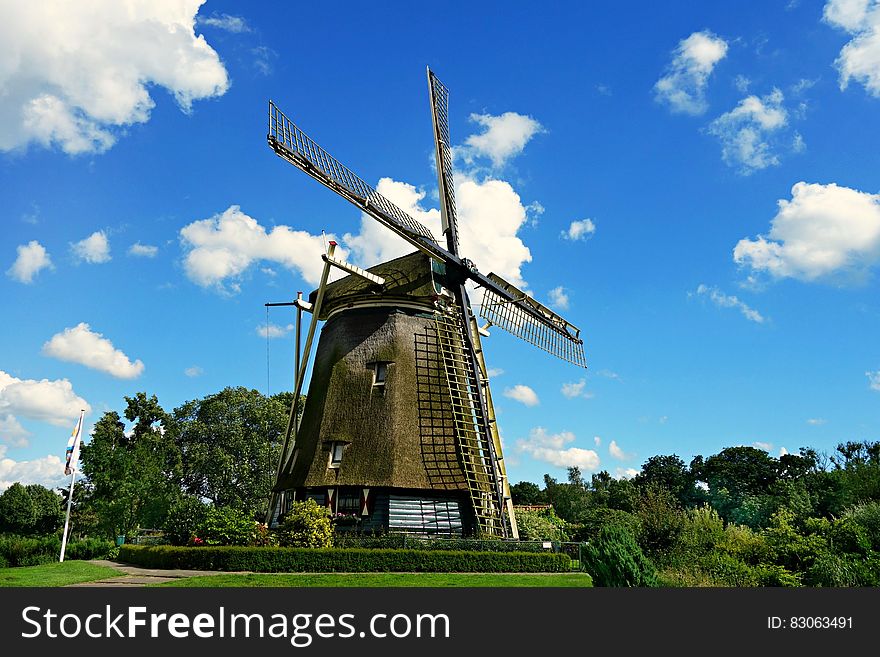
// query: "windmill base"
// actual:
[[391, 510]]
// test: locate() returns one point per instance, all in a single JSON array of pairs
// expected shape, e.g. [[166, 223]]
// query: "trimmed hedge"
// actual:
[[404, 542], [348, 560]]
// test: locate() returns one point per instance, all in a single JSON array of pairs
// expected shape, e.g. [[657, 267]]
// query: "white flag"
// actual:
[[73, 446]]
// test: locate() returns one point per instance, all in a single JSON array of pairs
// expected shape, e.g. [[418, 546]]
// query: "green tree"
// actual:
[[18, 514], [229, 444], [47, 509], [735, 473], [526, 493], [135, 476], [671, 473]]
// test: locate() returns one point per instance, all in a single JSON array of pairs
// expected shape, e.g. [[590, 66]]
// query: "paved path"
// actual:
[[138, 576]]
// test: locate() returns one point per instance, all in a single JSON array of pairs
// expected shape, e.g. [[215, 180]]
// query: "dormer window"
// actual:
[[380, 373], [336, 448]]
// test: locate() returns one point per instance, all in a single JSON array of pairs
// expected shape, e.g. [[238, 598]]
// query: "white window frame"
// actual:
[[334, 446]]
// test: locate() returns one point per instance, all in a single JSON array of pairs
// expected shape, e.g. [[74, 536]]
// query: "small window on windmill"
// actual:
[[380, 373], [336, 448]]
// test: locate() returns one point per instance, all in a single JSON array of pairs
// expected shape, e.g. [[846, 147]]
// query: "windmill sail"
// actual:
[[291, 143], [440, 116], [554, 334]]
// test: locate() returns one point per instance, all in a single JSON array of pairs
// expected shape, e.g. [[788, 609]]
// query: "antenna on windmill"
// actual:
[[408, 321]]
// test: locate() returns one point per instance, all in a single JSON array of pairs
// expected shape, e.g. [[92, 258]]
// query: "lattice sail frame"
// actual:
[[555, 336], [295, 146], [440, 115]]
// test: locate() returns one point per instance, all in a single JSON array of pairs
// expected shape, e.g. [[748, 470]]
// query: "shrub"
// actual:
[[830, 569], [403, 541], [593, 520], [227, 526], [542, 525], [306, 525], [729, 571], [867, 516], [615, 559], [27, 551], [661, 522], [185, 517], [89, 548], [743, 544], [280, 559]]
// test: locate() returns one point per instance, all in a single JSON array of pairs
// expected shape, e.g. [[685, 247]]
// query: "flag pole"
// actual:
[[67, 517], [72, 458]]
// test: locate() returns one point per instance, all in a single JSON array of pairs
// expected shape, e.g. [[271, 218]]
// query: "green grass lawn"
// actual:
[[387, 579], [55, 574]]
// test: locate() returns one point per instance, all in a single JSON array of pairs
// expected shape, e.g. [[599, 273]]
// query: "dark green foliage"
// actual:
[[229, 444], [403, 541], [306, 525], [527, 493], [26, 551], [47, 509], [661, 521], [831, 569], [615, 559], [279, 559], [134, 477], [670, 473], [867, 516], [17, 511], [595, 518], [185, 517]]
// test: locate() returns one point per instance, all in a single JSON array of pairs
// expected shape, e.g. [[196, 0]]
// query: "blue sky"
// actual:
[[694, 185]]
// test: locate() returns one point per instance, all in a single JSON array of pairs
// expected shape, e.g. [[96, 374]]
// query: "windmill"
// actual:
[[398, 431]]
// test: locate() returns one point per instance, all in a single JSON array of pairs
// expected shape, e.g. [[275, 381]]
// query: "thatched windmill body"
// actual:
[[398, 430]]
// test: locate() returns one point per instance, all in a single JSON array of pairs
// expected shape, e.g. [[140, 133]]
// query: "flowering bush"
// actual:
[[306, 525], [346, 519]]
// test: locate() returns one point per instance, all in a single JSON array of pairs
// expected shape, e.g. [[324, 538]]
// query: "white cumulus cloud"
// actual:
[[54, 402], [616, 452], [558, 298], [572, 390], [523, 394], [554, 449], [723, 300], [74, 74], [143, 250], [12, 432], [874, 380], [503, 137], [683, 87], [821, 231], [581, 229], [274, 330], [193, 371], [94, 249], [31, 260], [80, 344], [816, 421], [860, 58], [220, 249], [747, 132], [234, 24], [47, 471]]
